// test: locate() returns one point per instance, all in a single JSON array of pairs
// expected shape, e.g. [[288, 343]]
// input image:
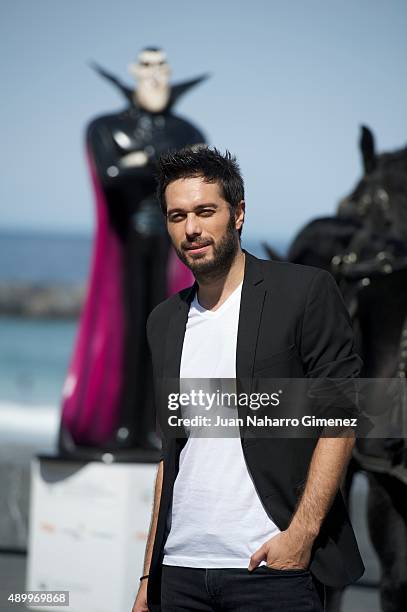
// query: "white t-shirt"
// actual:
[[217, 519]]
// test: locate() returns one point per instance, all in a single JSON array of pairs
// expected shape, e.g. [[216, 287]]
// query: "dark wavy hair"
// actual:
[[201, 160]]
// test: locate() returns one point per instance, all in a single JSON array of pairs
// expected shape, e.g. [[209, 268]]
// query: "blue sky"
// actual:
[[292, 80]]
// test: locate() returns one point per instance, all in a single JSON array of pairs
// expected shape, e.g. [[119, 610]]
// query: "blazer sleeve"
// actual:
[[330, 361], [149, 326], [327, 338]]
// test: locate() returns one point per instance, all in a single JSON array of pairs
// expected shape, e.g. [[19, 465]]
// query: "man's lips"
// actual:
[[197, 248]]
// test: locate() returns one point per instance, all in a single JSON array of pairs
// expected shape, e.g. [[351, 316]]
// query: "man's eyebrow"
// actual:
[[198, 207]]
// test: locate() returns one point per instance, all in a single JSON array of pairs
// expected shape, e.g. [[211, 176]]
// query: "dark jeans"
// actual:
[[188, 589]]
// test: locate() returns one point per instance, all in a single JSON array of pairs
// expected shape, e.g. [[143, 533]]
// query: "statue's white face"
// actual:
[[152, 72]]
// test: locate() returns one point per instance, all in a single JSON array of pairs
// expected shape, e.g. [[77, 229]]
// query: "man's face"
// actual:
[[202, 227]]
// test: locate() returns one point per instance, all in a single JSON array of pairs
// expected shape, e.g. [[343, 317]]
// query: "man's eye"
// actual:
[[175, 217], [207, 212]]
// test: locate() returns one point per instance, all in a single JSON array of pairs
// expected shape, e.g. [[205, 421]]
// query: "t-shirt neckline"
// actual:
[[213, 313]]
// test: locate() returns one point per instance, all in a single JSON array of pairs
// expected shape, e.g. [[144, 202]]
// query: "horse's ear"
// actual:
[[367, 148]]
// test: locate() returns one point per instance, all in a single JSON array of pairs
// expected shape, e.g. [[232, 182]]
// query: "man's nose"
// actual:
[[192, 225]]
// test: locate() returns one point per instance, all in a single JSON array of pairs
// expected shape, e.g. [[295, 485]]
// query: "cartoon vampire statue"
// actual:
[[107, 404]]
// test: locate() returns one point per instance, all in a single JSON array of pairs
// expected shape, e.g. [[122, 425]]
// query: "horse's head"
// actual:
[[379, 200], [372, 272]]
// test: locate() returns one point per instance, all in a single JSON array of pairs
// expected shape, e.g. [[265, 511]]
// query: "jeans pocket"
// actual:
[[292, 571]]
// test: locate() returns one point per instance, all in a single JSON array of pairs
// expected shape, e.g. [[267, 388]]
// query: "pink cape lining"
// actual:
[[92, 387]]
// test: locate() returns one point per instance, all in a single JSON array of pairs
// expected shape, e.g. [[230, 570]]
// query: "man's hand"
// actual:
[[286, 550], [140, 603]]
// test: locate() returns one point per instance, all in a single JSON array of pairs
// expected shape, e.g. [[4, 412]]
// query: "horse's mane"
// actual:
[[393, 166], [396, 159]]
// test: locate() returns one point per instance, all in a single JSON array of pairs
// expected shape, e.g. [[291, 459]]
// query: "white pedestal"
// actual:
[[88, 527]]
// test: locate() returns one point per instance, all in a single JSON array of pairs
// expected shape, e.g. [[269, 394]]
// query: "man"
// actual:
[[244, 523]]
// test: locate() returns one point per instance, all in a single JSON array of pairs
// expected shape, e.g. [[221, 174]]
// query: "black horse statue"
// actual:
[[365, 247]]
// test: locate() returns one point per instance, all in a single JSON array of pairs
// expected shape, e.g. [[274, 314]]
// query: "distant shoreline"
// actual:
[[15, 232], [41, 300]]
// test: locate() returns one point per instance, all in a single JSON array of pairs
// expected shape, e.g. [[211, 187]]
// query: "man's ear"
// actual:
[[239, 214]]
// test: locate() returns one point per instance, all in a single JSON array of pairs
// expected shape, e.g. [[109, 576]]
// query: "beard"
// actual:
[[224, 253]]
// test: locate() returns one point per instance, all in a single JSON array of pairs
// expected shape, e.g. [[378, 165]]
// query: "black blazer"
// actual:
[[292, 323]]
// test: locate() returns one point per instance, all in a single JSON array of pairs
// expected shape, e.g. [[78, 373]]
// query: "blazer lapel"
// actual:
[[251, 308], [176, 333], [174, 341]]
